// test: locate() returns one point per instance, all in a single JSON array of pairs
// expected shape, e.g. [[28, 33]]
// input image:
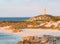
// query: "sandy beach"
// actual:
[[31, 32]]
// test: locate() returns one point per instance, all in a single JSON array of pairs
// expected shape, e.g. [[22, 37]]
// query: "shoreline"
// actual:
[[28, 32]]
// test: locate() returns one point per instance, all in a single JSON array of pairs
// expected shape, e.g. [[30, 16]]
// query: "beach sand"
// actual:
[[31, 32]]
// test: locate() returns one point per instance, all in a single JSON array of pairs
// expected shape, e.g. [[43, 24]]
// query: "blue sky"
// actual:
[[28, 8]]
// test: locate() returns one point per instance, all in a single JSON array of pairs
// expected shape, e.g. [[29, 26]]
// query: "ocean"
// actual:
[[14, 18], [6, 38], [10, 38]]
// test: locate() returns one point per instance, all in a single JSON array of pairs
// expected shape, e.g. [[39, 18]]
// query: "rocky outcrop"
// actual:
[[45, 39], [42, 18]]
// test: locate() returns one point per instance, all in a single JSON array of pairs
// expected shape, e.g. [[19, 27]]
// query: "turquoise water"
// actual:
[[9, 38], [13, 39]]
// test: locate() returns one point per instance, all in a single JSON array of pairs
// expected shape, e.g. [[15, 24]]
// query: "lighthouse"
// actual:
[[44, 11]]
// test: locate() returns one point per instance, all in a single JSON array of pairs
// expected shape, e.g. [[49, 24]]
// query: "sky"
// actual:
[[28, 8]]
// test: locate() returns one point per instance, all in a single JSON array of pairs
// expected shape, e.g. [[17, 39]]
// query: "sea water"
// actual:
[[10, 38], [14, 39], [13, 18]]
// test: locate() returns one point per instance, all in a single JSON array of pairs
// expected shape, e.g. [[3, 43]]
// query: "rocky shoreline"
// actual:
[[45, 39]]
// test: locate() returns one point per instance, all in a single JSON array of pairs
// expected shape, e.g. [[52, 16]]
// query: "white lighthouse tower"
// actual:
[[44, 11]]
